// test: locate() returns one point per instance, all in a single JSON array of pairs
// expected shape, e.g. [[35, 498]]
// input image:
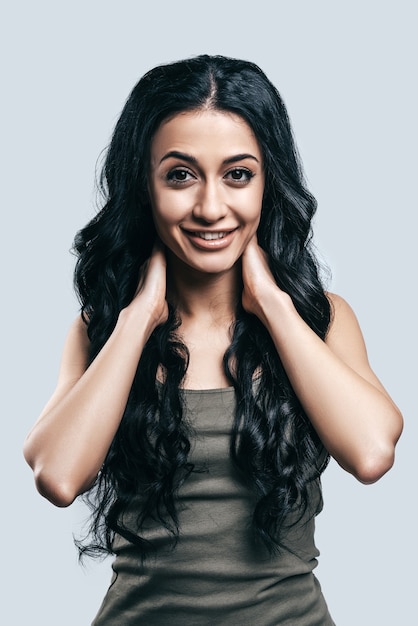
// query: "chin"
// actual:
[[213, 267], [216, 263]]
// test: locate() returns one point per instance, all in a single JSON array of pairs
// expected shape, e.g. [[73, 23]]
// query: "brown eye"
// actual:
[[240, 175], [179, 176]]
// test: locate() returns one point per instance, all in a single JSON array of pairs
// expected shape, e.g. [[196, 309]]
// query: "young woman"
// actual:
[[209, 376]]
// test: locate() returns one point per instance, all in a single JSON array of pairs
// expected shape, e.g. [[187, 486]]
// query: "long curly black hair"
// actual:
[[272, 441]]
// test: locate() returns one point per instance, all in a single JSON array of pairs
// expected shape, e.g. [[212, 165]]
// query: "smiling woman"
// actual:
[[206, 186], [209, 376]]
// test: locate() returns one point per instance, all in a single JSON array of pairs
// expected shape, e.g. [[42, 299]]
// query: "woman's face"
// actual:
[[206, 186]]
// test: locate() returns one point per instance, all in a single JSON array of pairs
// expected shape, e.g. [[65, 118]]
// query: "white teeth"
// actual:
[[210, 236]]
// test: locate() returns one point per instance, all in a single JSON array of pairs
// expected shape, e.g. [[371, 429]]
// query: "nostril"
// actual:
[[209, 212]]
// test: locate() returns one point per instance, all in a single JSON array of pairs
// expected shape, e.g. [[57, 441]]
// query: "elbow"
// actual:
[[371, 472], [58, 492], [381, 456], [56, 481], [54, 490], [375, 465]]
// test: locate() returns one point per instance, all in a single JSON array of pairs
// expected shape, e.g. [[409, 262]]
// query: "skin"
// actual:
[[206, 176]]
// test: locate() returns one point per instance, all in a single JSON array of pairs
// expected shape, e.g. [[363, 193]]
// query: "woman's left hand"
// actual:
[[347, 405], [259, 285]]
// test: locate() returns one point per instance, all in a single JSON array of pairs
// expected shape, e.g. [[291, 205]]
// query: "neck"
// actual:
[[200, 295]]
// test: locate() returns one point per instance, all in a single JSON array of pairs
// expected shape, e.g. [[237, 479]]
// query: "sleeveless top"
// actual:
[[215, 574]]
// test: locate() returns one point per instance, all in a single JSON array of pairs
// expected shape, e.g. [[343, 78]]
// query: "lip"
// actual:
[[218, 243]]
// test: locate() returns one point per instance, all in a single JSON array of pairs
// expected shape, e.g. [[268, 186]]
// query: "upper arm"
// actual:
[[73, 362], [346, 340]]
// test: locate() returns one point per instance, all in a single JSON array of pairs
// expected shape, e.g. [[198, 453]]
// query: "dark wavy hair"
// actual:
[[272, 442]]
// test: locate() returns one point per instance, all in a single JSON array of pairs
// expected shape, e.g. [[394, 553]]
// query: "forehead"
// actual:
[[203, 131]]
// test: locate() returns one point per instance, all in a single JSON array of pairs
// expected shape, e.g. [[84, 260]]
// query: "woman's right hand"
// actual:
[[69, 442], [150, 295]]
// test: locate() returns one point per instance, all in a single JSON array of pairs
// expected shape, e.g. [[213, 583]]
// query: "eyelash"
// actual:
[[171, 176], [248, 175]]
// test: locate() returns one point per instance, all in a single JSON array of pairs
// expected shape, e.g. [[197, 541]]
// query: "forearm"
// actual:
[[68, 444], [355, 419]]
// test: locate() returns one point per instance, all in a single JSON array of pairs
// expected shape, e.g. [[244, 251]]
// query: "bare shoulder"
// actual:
[[339, 306], [78, 331], [346, 340], [344, 330]]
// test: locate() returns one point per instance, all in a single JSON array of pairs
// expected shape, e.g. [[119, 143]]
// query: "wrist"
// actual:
[[275, 305], [138, 323]]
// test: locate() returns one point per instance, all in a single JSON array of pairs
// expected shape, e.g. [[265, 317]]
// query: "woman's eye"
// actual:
[[179, 176], [240, 175]]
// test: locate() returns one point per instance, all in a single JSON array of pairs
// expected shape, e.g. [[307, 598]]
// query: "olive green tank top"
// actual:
[[215, 575]]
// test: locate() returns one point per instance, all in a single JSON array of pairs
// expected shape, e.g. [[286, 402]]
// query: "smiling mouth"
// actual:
[[210, 235]]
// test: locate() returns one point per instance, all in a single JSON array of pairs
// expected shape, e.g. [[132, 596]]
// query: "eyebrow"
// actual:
[[191, 159]]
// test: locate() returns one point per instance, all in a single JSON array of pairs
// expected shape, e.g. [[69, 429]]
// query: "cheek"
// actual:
[[160, 214], [253, 227], [165, 226], [162, 227], [254, 210], [168, 207]]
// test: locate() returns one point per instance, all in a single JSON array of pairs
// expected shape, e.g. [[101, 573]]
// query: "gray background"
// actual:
[[347, 73]]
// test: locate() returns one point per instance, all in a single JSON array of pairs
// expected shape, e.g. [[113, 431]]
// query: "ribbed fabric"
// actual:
[[215, 575]]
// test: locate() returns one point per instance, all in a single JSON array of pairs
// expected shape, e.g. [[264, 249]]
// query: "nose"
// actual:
[[210, 206]]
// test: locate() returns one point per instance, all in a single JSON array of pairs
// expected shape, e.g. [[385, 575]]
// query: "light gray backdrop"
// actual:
[[347, 71]]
